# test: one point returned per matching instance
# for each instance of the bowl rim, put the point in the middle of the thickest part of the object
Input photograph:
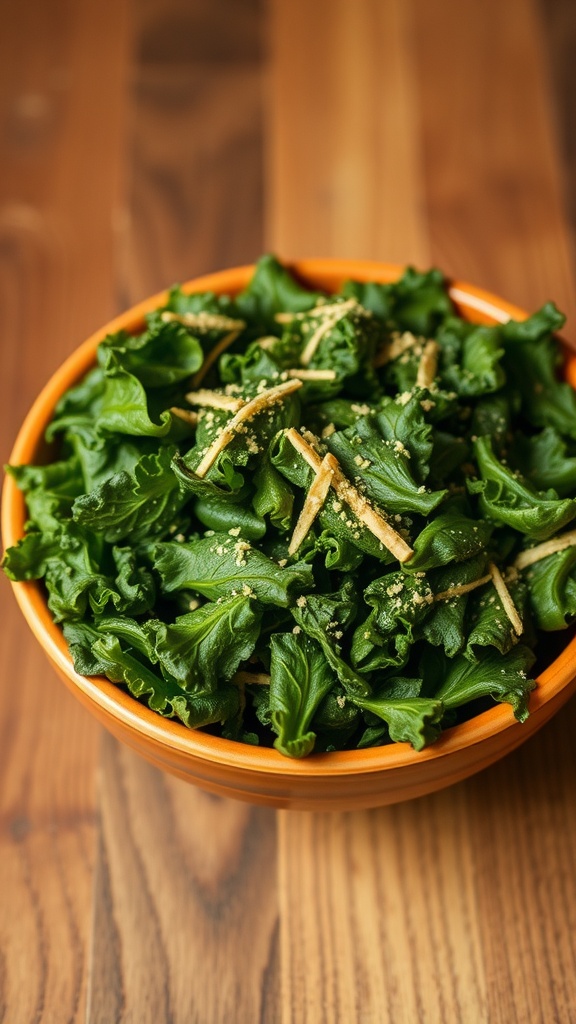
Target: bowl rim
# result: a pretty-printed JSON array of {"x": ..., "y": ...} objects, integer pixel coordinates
[{"x": 120, "y": 705}]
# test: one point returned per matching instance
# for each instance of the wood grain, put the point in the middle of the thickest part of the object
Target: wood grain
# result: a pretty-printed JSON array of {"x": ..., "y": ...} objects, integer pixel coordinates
[
  {"x": 185, "y": 908},
  {"x": 184, "y": 930},
  {"x": 343, "y": 140},
  {"x": 558, "y": 22},
  {"x": 195, "y": 176},
  {"x": 397, "y": 935},
  {"x": 56, "y": 285},
  {"x": 433, "y": 910},
  {"x": 523, "y": 831},
  {"x": 494, "y": 191},
  {"x": 142, "y": 142}
]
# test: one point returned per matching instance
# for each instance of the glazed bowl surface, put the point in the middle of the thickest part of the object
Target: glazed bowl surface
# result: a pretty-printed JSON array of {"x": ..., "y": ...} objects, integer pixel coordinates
[{"x": 343, "y": 780}]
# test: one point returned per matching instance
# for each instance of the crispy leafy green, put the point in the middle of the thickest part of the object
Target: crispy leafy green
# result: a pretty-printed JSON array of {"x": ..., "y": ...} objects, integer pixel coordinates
[
  {"x": 207, "y": 645},
  {"x": 417, "y": 302},
  {"x": 488, "y": 624},
  {"x": 185, "y": 582},
  {"x": 165, "y": 354},
  {"x": 546, "y": 460},
  {"x": 385, "y": 468},
  {"x": 410, "y": 719},
  {"x": 471, "y": 358},
  {"x": 272, "y": 496},
  {"x": 163, "y": 693},
  {"x": 461, "y": 680},
  {"x": 300, "y": 677},
  {"x": 451, "y": 536},
  {"x": 138, "y": 505},
  {"x": 445, "y": 624},
  {"x": 399, "y": 603},
  {"x": 222, "y": 565},
  {"x": 273, "y": 289},
  {"x": 552, "y": 590},
  {"x": 504, "y": 497}
]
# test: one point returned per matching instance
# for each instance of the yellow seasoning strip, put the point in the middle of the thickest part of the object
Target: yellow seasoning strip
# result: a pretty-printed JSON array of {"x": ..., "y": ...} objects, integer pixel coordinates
[
  {"x": 544, "y": 550},
  {"x": 214, "y": 400},
  {"x": 314, "y": 501},
  {"x": 428, "y": 365},
  {"x": 507, "y": 602},
  {"x": 254, "y": 406},
  {"x": 463, "y": 588},
  {"x": 362, "y": 509}
]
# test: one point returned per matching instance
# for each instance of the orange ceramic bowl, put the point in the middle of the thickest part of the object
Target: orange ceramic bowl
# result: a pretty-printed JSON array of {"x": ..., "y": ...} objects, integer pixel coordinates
[{"x": 344, "y": 780}]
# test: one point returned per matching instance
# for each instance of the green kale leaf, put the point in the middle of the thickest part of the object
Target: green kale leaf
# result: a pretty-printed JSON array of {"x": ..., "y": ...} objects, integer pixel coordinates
[
  {"x": 164, "y": 354},
  {"x": 503, "y": 677},
  {"x": 138, "y": 504},
  {"x": 164, "y": 695},
  {"x": 505, "y": 498},
  {"x": 221, "y": 565},
  {"x": 399, "y": 603},
  {"x": 207, "y": 645},
  {"x": 382, "y": 467},
  {"x": 300, "y": 677},
  {"x": 451, "y": 536},
  {"x": 552, "y": 593},
  {"x": 273, "y": 289},
  {"x": 545, "y": 461},
  {"x": 409, "y": 717}
]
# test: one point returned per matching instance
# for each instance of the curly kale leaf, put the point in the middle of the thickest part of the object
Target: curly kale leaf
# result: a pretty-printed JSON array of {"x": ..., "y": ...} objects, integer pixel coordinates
[
  {"x": 163, "y": 694},
  {"x": 470, "y": 360},
  {"x": 451, "y": 536},
  {"x": 138, "y": 504},
  {"x": 409, "y": 717},
  {"x": 206, "y": 646},
  {"x": 488, "y": 623},
  {"x": 273, "y": 289},
  {"x": 325, "y": 618},
  {"x": 50, "y": 491},
  {"x": 417, "y": 302},
  {"x": 459, "y": 681},
  {"x": 505, "y": 497},
  {"x": 399, "y": 604},
  {"x": 81, "y": 573},
  {"x": 381, "y": 466},
  {"x": 552, "y": 590},
  {"x": 300, "y": 678},
  {"x": 221, "y": 565},
  {"x": 164, "y": 354},
  {"x": 532, "y": 364},
  {"x": 445, "y": 625},
  {"x": 545, "y": 460}
]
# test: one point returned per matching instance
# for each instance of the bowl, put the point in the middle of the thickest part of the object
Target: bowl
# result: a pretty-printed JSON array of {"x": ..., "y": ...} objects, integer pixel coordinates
[{"x": 343, "y": 780}]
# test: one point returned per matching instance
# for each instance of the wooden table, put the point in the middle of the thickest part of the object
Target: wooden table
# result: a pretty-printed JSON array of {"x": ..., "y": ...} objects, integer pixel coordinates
[{"x": 141, "y": 143}]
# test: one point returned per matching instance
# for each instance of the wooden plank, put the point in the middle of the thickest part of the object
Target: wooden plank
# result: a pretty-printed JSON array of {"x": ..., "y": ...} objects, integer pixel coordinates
[
  {"x": 343, "y": 137},
  {"x": 494, "y": 195},
  {"x": 497, "y": 215},
  {"x": 195, "y": 182},
  {"x": 558, "y": 24},
  {"x": 184, "y": 929},
  {"x": 523, "y": 833},
  {"x": 379, "y": 915},
  {"x": 56, "y": 285},
  {"x": 48, "y": 749},
  {"x": 185, "y": 925},
  {"x": 417, "y": 912}
]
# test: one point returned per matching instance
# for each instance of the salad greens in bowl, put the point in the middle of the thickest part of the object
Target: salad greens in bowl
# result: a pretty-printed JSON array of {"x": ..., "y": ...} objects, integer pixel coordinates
[{"x": 302, "y": 534}]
